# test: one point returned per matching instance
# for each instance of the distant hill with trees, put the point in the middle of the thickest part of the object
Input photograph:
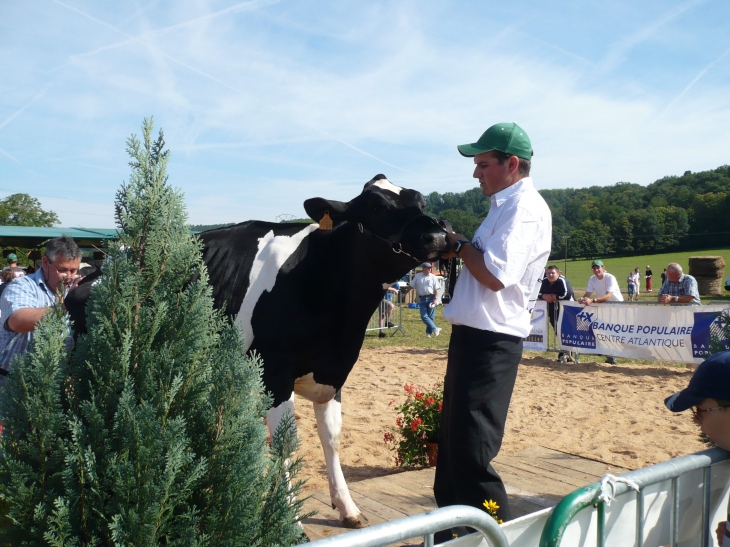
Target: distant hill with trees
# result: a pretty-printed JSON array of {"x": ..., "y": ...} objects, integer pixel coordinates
[{"x": 674, "y": 213}]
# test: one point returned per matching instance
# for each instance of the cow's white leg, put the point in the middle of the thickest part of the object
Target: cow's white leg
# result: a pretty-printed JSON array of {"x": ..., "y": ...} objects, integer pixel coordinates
[
  {"x": 329, "y": 427},
  {"x": 277, "y": 413},
  {"x": 273, "y": 418}
]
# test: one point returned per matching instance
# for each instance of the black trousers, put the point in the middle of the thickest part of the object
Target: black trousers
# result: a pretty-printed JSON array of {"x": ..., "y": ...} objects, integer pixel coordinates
[{"x": 480, "y": 377}]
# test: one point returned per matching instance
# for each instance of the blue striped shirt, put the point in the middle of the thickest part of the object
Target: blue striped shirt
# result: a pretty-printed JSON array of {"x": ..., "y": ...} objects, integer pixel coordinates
[
  {"x": 29, "y": 291},
  {"x": 686, "y": 285}
]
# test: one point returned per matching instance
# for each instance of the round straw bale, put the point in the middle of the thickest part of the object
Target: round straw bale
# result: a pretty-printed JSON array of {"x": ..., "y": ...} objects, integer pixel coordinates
[
  {"x": 707, "y": 266},
  {"x": 709, "y": 286}
]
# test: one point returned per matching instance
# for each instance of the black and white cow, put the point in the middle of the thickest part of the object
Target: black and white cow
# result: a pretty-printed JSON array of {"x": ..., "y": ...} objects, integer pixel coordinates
[{"x": 304, "y": 295}]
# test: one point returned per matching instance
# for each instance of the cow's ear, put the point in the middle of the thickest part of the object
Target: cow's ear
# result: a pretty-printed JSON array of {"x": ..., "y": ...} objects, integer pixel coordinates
[{"x": 316, "y": 207}]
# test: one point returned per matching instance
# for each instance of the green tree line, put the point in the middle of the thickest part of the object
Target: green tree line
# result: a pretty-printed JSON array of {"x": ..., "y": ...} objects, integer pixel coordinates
[{"x": 678, "y": 213}]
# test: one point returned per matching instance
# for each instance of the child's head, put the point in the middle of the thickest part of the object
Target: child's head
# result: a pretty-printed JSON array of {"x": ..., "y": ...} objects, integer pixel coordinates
[{"x": 709, "y": 393}]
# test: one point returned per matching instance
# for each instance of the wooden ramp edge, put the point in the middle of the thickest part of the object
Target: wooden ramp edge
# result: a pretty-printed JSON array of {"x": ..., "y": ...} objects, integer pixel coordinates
[{"x": 535, "y": 478}]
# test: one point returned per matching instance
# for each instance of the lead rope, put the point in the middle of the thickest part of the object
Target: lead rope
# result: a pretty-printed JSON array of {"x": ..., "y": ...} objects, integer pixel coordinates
[{"x": 450, "y": 264}]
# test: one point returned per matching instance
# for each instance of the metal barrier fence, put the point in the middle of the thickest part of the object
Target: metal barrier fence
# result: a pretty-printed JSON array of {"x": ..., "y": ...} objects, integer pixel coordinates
[
  {"x": 424, "y": 525},
  {"x": 388, "y": 316},
  {"x": 589, "y": 496},
  {"x": 678, "y": 504}
]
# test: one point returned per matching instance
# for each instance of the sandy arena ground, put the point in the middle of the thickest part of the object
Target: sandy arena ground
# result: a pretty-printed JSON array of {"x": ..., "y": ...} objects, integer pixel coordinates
[{"x": 611, "y": 413}]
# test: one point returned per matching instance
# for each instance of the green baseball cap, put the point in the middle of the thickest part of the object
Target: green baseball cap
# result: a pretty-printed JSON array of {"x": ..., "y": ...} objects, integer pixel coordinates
[
  {"x": 12, "y": 257},
  {"x": 597, "y": 263},
  {"x": 509, "y": 138}
]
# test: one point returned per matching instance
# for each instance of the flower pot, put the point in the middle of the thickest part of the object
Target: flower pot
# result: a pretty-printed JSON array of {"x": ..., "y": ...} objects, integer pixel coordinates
[{"x": 432, "y": 453}]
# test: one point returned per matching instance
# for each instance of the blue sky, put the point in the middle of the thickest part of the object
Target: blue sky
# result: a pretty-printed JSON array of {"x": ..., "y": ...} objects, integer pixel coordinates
[{"x": 265, "y": 104}]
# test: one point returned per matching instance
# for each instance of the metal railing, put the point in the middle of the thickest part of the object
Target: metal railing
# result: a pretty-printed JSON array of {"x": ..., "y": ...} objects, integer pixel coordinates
[
  {"x": 424, "y": 525},
  {"x": 388, "y": 312},
  {"x": 588, "y": 496}
]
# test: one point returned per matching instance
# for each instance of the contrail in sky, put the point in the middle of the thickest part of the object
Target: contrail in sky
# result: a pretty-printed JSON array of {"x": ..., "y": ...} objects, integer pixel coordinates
[
  {"x": 251, "y": 5},
  {"x": 693, "y": 82}
]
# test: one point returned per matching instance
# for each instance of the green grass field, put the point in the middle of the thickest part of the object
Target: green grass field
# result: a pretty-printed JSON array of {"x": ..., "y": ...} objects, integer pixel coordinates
[{"x": 578, "y": 271}]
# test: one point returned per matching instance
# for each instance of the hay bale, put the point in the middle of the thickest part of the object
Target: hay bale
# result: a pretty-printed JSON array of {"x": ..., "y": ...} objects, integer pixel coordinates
[
  {"x": 709, "y": 286},
  {"x": 706, "y": 266}
]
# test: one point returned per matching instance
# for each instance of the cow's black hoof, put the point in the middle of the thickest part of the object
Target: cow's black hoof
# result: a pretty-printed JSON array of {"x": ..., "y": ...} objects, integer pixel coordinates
[{"x": 353, "y": 522}]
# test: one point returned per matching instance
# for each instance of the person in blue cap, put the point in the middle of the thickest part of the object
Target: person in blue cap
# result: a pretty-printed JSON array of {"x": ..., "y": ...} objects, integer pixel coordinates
[{"x": 708, "y": 395}]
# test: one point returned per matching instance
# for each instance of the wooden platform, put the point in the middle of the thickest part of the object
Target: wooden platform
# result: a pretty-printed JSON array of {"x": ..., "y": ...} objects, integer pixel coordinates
[{"x": 535, "y": 478}]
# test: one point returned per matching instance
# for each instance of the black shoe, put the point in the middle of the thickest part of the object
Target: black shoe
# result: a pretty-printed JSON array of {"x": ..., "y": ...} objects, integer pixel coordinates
[
  {"x": 381, "y": 334},
  {"x": 610, "y": 360},
  {"x": 390, "y": 325}
]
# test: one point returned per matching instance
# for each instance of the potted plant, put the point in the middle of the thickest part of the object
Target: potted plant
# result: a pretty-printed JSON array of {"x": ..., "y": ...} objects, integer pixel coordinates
[{"x": 415, "y": 438}]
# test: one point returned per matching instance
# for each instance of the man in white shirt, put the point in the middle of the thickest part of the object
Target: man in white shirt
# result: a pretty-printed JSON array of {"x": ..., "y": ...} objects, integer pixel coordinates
[
  {"x": 603, "y": 284},
  {"x": 606, "y": 288},
  {"x": 427, "y": 290},
  {"x": 490, "y": 318}
]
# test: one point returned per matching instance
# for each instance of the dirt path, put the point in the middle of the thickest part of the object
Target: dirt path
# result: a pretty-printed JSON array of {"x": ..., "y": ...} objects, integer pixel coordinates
[{"x": 611, "y": 413}]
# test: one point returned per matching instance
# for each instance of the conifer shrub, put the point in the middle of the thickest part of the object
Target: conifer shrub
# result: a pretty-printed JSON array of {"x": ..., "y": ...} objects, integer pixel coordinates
[{"x": 151, "y": 430}]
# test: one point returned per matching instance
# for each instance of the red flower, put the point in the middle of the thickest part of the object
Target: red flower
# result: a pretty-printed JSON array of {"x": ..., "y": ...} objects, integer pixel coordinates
[
  {"x": 418, "y": 395},
  {"x": 399, "y": 421},
  {"x": 398, "y": 461},
  {"x": 441, "y": 406},
  {"x": 388, "y": 437},
  {"x": 408, "y": 388},
  {"x": 429, "y": 401},
  {"x": 392, "y": 402},
  {"x": 415, "y": 423}
]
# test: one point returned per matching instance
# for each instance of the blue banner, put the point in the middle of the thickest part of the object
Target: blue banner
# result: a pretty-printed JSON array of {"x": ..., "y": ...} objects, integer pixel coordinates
[{"x": 681, "y": 333}]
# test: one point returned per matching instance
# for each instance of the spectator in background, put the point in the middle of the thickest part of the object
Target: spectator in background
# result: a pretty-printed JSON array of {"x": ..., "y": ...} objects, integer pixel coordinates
[
  {"x": 679, "y": 287},
  {"x": 386, "y": 308},
  {"x": 637, "y": 279},
  {"x": 606, "y": 288},
  {"x": 427, "y": 289},
  {"x": 25, "y": 301},
  {"x": 647, "y": 276},
  {"x": 631, "y": 285},
  {"x": 12, "y": 261},
  {"x": 603, "y": 284},
  {"x": 553, "y": 289},
  {"x": 664, "y": 276},
  {"x": 6, "y": 276}
]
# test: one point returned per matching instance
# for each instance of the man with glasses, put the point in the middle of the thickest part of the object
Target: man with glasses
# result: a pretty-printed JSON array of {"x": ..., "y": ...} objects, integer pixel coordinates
[
  {"x": 24, "y": 303},
  {"x": 708, "y": 395}
]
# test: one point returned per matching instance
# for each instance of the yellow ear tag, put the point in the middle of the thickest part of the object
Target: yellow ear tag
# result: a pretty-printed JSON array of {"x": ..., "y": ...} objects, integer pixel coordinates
[{"x": 326, "y": 222}]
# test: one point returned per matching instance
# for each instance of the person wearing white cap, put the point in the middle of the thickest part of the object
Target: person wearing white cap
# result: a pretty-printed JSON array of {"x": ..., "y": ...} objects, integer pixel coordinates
[{"x": 427, "y": 289}]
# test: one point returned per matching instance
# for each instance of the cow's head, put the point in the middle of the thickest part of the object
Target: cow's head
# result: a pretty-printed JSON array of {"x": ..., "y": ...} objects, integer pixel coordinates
[{"x": 389, "y": 213}]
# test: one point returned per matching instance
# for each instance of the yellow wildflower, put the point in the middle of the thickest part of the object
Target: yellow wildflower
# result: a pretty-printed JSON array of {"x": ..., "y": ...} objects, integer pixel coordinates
[{"x": 491, "y": 506}]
